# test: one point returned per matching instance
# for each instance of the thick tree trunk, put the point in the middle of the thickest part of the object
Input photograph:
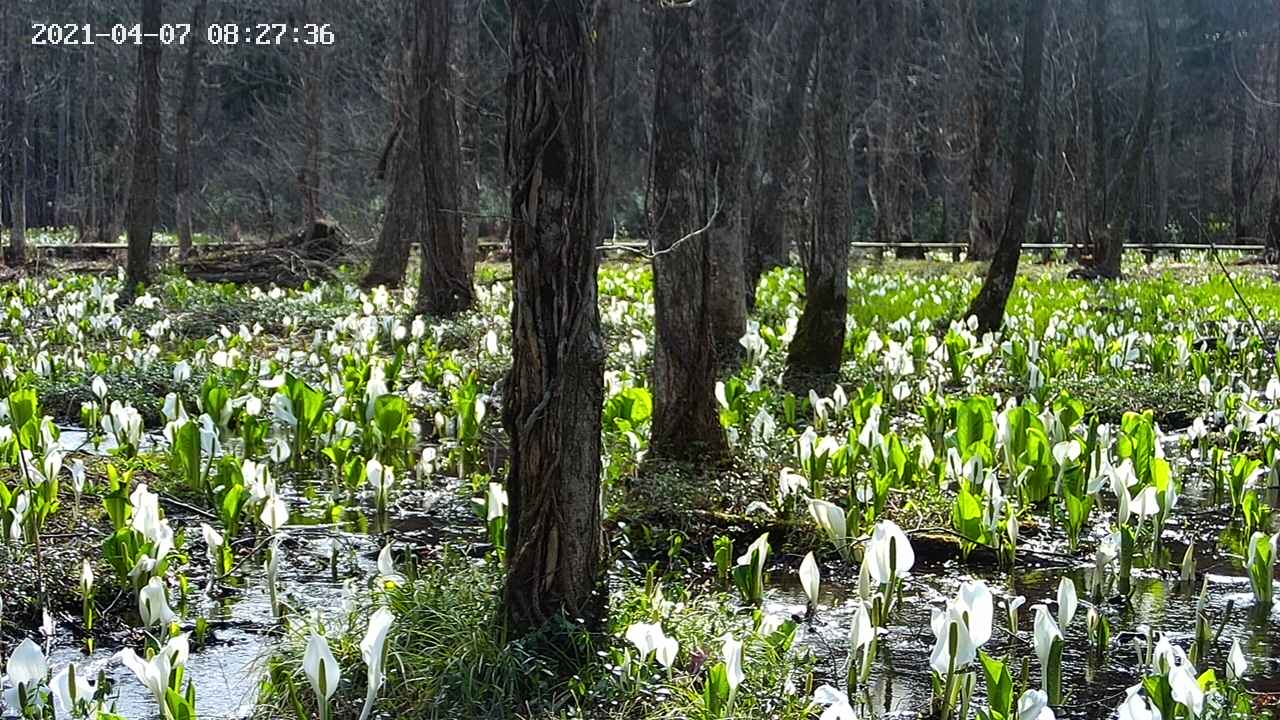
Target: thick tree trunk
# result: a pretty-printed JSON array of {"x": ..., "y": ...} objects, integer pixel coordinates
[
  {"x": 767, "y": 245},
  {"x": 729, "y": 51},
  {"x": 685, "y": 422},
  {"x": 555, "y": 390},
  {"x": 1126, "y": 216},
  {"x": 144, "y": 186},
  {"x": 989, "y": 304},
  {"x": 818, "y": 345},
  {"x": 182, "y": 139},
  {"x": 445, "y": 287}
]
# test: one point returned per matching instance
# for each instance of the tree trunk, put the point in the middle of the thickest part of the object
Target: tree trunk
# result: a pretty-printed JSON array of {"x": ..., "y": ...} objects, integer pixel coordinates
[
  {"x": 989, "y": 304},
  {"x": 1164, "y": 135},
  {"x": 984, "y": 128},
  {"x": 767, "y": 245},
  {"x": 1239, "y": 184},
  {"x": 470, "y": 130},
  {"x": 182, "y": 154},
  {"x": 140, "y": 214},
  {"x": 729, "y": 52},
  {"x": 1126, "y": 216},
  {"x": 445, "y": 287},
  {"x": 685, "y": 422},
  {"x": 1272, "y": 253},
  {"x": 1099, "y": 177},
  {"x": 402, "y": 220},
  {"x": 312, "y": 130},
  {"x": 818, "y": 345},
  {"x": 555, "y": 390},
  {"x": 18, "y": 103},
  {"x": 604, "y": 24}
]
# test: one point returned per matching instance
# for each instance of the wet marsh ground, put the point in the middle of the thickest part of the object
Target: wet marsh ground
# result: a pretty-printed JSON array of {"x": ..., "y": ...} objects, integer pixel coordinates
[{"x": 1090, "y": 353}]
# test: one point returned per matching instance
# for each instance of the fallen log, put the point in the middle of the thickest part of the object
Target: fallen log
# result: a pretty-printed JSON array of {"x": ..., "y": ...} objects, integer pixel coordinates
[{"x": 308, "y": 254}]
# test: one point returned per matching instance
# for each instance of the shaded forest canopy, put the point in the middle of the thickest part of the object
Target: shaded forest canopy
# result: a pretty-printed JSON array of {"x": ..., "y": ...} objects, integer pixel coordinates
[{"x": 934, "y": 86}]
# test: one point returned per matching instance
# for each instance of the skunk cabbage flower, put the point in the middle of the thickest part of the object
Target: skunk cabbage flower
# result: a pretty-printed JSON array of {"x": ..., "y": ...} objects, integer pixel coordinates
[
  {"x": 26, "y": 669},
  {"x": 86, "y": 578},
  {"x": 387, "y": 568},
  {"x": 889, "y": 553},
  {"x": 732, "y": 650},
  {"x": 830, "y": 517},
  {"x": 810, "y": 578},
  {"x": 1186, "y": 689},
  {"x": 321, "y": 669},
  {"x": 154, "y": 673},
  {"x": 275, "y": 513},
  {"x": 1237, "y": 663},
  {"x": 948, "y": 656},
  {"x": 1067, "y": 602},
  {"x": 861, "y": 631},
  {"x": 68, "y": 689},
  {"x": 1045, "y": 635},
  {"x": 1034, "y": 705},
  {"x": 1136, "y": 707},
  {"x": 371, "y": 649},
  {"x": 836, "y": 702},
  {"x": 153, "y": 606},
  {"x": 213, "y": 542}
]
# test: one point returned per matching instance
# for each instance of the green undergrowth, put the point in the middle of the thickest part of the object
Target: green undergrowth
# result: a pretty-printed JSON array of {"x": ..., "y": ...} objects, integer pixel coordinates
[{"x": 448, "y": 657}]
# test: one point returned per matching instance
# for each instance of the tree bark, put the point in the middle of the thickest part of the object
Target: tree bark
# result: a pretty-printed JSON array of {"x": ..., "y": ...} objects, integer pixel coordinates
[
  {"x": 767, "y": 245},
  {"x": 729, "y": 52},
  {"x": 1126, "y": 216},
  {"x": 604, "y": 24},
  {"x": 312, "y": 132},
  {"x": 1164, "y": 134},
  {"x": 402, "y": 217},
  {"x": 989, "y": 304},
  {"x": 144, "y": 187},
  {"x": 18, "y": 152},
  {"x": 985, "y": 130},
  {"x": 182, "y": 139},
  {"x": 685, "y": 422},
  {"x": 1272, "y": 253},
  {"x": 818, "y": 345},
  {"x": 402, "y": 220},
  {"x": 1098, "y": 231},
  {"x": 555, "y": 390},
  {"x": 1239, "y": 183},
  {"x": 445, "y": 286}
]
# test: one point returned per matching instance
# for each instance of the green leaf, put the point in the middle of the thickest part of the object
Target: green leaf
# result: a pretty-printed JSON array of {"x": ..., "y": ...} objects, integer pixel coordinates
[{"x": 999, "y": 687}]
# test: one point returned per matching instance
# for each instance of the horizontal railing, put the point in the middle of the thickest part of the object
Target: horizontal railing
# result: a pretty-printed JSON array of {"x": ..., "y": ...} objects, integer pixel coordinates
[{"x": 640, "y": 245}]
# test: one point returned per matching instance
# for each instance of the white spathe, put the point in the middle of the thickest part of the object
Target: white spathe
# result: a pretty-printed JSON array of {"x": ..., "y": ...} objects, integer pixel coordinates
[
  {"x": 320, "y": 667},
  {"x": 810, "y": 578},
  {"x": 372, "y": 650}
]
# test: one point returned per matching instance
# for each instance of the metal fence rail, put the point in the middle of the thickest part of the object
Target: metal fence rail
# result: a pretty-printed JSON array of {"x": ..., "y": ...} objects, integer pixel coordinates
[{"x": 69, "y": 249}]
